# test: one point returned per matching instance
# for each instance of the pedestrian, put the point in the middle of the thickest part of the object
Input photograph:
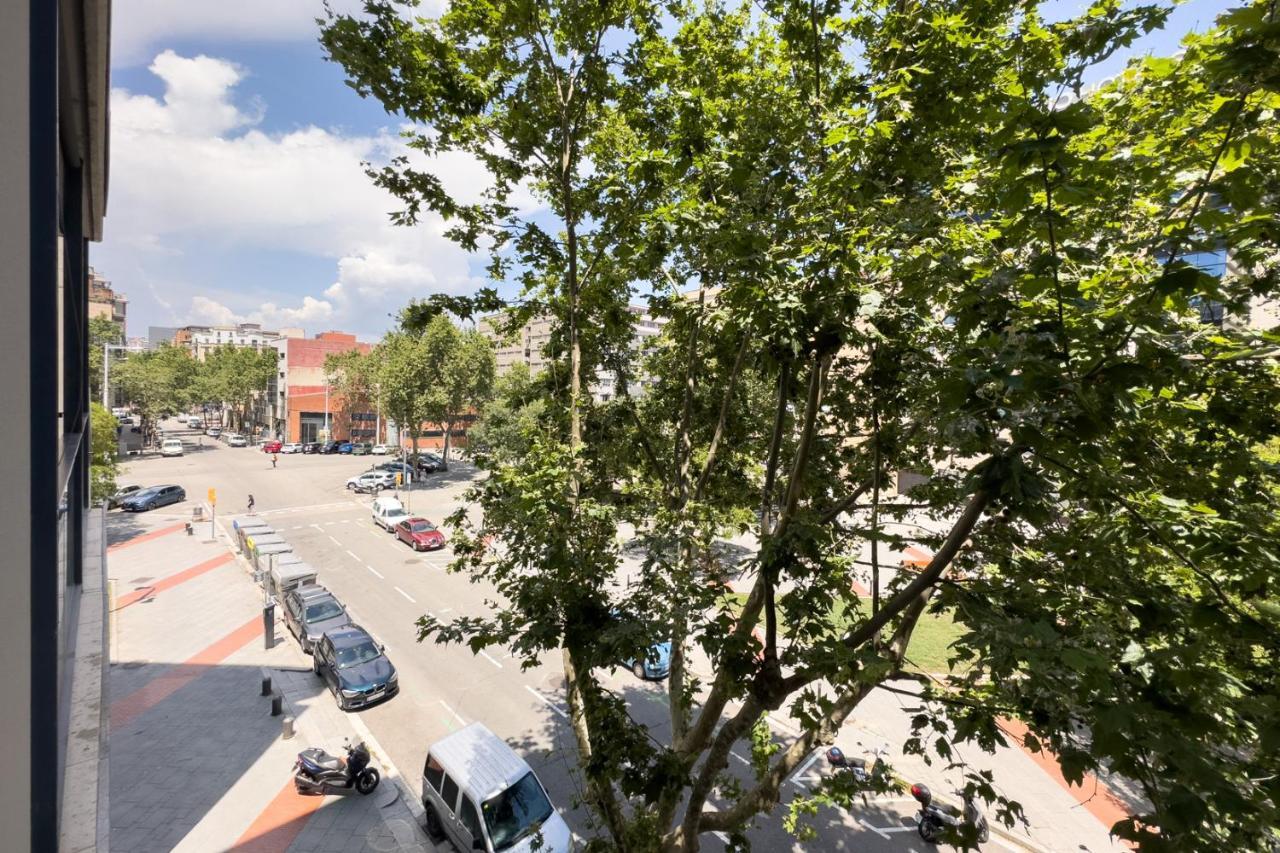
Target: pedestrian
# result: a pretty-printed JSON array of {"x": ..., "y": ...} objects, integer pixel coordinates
[
  {"x": 273, "y": 460},
  {"x": 251, "y": 504}
]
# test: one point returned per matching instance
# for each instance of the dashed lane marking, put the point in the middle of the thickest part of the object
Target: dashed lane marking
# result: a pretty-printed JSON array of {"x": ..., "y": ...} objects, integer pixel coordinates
[
  {"x": 877, "y": 830},
  {"x": 405, "y": 594},
  {"x": 352, "y": 553},
  {"x": 375, "y": 571},
  {"x": 456, "y": 715},
  {"x": 552, "y": 705},
  {"x": 485, "y": 655}
]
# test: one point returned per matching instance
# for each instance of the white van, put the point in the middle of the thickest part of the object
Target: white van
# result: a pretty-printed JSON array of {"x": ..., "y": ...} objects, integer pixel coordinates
[
  {"x": 482, "y": 796},
  {"x": 388, "y": 512}
]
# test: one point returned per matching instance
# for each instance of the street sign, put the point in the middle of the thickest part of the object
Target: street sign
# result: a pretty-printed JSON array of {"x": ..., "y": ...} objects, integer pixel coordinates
[
  {"x": 213, "y": 497},
  {"x": 399, "y": 479}
]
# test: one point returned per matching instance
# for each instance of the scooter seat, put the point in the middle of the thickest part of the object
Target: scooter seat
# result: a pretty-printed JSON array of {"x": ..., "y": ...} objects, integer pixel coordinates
[
  {"x": 321, "y": 759},
  {"x": 330, "y": 762}
]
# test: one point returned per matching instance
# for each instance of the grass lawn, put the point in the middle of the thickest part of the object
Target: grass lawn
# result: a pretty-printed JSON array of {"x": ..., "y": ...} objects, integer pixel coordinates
[{"x": 930, "y": 642}]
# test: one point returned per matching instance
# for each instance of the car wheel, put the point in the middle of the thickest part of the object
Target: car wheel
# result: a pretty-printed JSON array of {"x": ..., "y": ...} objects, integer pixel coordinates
[
  {"x": 435, "y": 831},
  {"x": 638, "y": 669}
]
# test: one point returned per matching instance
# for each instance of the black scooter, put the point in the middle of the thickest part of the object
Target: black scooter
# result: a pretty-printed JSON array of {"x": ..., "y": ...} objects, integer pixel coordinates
[
  {"x": 318, "y": 772},
  {"x": 933, "y": 821}
]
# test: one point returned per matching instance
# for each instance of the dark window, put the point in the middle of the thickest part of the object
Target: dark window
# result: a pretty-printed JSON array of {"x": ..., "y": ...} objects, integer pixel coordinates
[
  {"x": 449, "y": 793},
  {"x": 470, "y": 820},
  {"x": 433, "y": 773}
]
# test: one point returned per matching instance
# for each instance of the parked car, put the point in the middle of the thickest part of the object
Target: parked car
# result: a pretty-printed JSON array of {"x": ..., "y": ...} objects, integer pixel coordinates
[
  {"x": 121, "y": 493},
  {"x": 194, "y": 423},
  {"x": 152, "y": 497},
  {"x": 428, "y": 463},
  {"x": 388, "y": 512},
  {"x": 419, "y": 534},
  {"x": 272, "y": 445},
  {"x": 405, "y": 472},
  {"x": 235, "y": 439},
  {"x": 656, "y": 664},
  {"x": 309, "y": 611},
  {"x": 345, "y": 447},
  {"x": 311, "y": 447},
  {"x": 354, "y": 667},
  {"x": 362, "y": 448},
  {"x": 291, "y": 447},
  {"x": 379, "y": 450},
  {"x": 213, "y": 432},
  {"x": 483, "y": 796},
  {"x": 330, "y": 446},
  {"x": 171, "y": 447},
  {"x": 371, "y": 481}
]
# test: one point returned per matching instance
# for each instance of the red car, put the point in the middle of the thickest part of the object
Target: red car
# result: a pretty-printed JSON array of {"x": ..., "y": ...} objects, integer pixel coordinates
[
  {"x": 419, "y": 534},
  {"x": 272, "y": 446}
]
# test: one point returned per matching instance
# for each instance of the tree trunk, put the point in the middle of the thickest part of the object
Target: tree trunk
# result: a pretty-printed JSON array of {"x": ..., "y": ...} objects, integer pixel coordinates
[{"x": 448, "y": 431}]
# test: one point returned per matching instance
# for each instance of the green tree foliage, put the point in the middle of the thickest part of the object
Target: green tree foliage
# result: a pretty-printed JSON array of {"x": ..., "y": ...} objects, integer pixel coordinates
[
  {"x": 402, "y": 381},
  {"x": 104, "y": 446},
  {"x": 236, "y": 378},
  {"x": 914, "y": 240},
  {"x": 101, "y": 332},
  {"x": 353, "y": 375},
  {"x": 159, "y": 382},
  {"x": 510, "y": 422},
  {"x": 461, "y": 367}
]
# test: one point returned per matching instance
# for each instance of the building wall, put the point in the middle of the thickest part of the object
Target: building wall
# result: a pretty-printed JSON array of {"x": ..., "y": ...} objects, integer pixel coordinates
[
  {"x": 300, "y": 383},
  {"x": 15, "y": 387}
]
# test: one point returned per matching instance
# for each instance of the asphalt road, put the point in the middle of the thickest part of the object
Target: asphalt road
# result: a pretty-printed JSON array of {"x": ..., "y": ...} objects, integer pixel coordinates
[{"x": 387, "y": 587}]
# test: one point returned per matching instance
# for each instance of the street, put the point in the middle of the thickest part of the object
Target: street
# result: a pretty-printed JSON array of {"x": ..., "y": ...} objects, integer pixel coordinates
[{"x": 387, "y": 587}]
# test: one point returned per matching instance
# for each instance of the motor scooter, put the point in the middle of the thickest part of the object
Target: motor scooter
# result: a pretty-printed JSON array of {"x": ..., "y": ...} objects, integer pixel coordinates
[
  {"x": 933, "y": 821},
  {"x": 857, "y": 767},
  {"x": 318, "y": 772}
]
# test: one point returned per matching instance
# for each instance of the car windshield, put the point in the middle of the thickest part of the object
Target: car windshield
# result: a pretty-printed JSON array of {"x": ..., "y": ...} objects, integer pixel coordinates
[
  {"x": 423, "y": 527},
  {"x": 516, "y": 812},
  {"x": 357, "y": 654},
  {"x": 323, "y": 610}
]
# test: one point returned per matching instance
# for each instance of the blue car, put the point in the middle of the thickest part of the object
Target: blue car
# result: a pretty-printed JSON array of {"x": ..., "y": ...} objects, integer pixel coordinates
[
  {"x": 656, "y": 664},
  {"x": 345, "y": 447},
  {"x": 354, "y": 667},
  {"x": 148, "y": 499}
]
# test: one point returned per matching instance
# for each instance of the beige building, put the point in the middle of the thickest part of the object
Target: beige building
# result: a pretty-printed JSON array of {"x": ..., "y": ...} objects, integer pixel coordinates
[
  {"x": 201, "y": 340},
  {"x": 527, "y": 346},
  {"x": 105, "y": 302}
]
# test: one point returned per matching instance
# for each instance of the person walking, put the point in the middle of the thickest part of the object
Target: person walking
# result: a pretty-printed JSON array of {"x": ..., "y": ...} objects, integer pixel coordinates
[
  {"x": 251, "y": 504},
  {"x": 273, "y": 460}
]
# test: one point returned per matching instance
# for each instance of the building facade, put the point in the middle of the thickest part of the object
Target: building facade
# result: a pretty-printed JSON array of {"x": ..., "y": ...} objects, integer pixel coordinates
[
  {"x": 305, "y": 406},
  {"x": 54, "y": 90},
  {"x": 202, "y": 340},
  {"x": 528, "y": 345},
  {"x": 104, "y": 301}
]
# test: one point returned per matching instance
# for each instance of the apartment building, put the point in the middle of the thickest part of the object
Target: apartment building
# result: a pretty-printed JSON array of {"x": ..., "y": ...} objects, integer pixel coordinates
[
  {"x": 528, "y": 344},
  {"x": 202, "y": 340},
  {"x": 104, "y": 301},
  {"x": 305, "y": 406}
]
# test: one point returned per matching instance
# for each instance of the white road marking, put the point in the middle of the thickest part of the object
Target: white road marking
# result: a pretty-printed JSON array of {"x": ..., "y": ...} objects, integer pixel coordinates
[
  {"x": 316, "y": 526},
  {"x": 552, "y": 705},
  {"x": 877, "y": 830},
  {"x": 375, "y": 571},
  {"x": 330, "y": 522},
  {"x": 335, "y": 541},
  {"x": 446, "y": 610},
  {"x": 797, "y": 778},
  {"x": 352, "y": 553},
  {"x": 405, "y": 594},
  {"x": 778, "y": 724},
  {"x": 456, "y": 715},
  {"x": 733, "y": 754},
  {"x": 485, "y": 655}
]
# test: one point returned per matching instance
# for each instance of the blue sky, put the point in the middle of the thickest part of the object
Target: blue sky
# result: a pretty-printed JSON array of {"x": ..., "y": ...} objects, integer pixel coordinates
[{"x": 236, "y": 187}]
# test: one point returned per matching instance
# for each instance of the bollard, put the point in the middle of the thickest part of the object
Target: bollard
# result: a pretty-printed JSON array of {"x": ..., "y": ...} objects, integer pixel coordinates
[
  {"x": 266, "y": 685},
  {"x": 277, "y": 705},
  {"x": 287, "y": 727},
  {"x": 268, "y": 625}
]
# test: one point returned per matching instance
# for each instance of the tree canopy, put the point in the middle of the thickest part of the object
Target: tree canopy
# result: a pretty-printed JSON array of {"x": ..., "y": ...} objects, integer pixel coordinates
[{"x": 885, "y": 237}]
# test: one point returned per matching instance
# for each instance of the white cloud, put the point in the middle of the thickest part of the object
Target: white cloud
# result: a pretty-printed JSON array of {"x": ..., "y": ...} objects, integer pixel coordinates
[{"x": 194, "y": 168}]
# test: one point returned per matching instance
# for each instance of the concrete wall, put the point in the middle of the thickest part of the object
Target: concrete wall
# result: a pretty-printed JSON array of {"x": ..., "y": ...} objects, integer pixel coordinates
[{"x": 15, "y": 462}]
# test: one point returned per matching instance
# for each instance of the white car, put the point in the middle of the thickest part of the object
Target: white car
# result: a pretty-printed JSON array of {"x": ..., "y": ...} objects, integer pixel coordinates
[
  {"x": 388, "y": 512},
  {"x": 371, "y": 481},
  {"x": 193, "y": 422},
  {"x": 237, "y": 440},
  {"x": 379, "y": 450},
  {"x": 213, "y": 432},
  {"x": 291, "y": 447},
  {"x": 171, "y": 447}
]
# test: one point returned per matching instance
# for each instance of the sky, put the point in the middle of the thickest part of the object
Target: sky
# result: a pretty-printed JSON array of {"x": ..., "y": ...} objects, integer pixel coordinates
[{"x": 237, "y": 191}]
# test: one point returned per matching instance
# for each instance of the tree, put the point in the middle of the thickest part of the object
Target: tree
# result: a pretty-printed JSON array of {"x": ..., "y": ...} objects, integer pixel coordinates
[
  {"x": 101, "y": 332},
  {"x": 104, "y": 447},
  {"x": 403, "y": 381},
  {"x": 461, "y": 366},
  {"x": 159, "y": 382},
  {"x": 354, "y": 377},
  {"x": 932, "y": 247},
  {"x": 511, "y": 420},
  {"x": 236, "y": 378}
]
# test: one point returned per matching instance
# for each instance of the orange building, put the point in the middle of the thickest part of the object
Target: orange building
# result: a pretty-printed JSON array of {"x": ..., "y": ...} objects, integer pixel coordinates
[{"x": 304, "y": 400}]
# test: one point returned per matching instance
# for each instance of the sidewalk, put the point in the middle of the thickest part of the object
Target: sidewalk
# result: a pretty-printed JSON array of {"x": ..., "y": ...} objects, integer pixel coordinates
[{"x": 198, "y": 764}]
